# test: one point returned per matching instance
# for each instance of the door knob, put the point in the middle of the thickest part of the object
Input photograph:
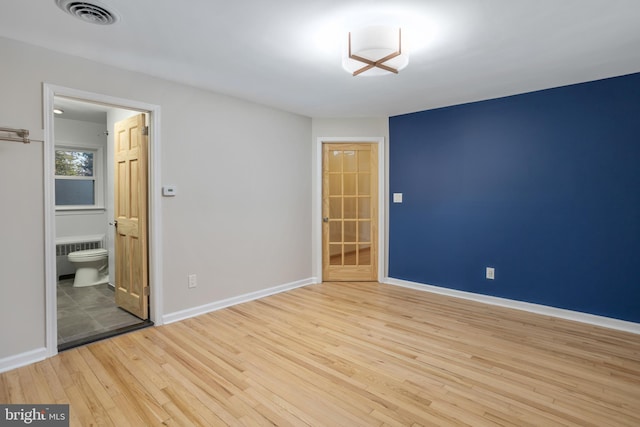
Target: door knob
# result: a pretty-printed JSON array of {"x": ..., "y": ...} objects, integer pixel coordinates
[
  {"x": 325, "y": 219},
  {"x": 114, "y": 223}
]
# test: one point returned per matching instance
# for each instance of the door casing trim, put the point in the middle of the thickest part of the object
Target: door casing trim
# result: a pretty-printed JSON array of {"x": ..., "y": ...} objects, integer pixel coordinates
[
  {"x": 317, "y": 197},
  {"x": 50, "y": 91}
]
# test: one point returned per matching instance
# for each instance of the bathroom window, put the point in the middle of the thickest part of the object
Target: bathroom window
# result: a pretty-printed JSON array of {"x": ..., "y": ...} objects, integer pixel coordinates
[{"x": 78, "y": 182}]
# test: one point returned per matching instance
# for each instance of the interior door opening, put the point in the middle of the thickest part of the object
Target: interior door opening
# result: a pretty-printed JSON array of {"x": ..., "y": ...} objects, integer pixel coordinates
[{"x": 86, "y": 137}]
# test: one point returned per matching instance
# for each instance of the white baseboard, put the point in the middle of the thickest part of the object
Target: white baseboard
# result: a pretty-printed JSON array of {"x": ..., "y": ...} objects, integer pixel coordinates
[
  {"x": 22, "y": 359},
  {"x": 207, "y": 308},
  {"x": 561, "y": 313}
]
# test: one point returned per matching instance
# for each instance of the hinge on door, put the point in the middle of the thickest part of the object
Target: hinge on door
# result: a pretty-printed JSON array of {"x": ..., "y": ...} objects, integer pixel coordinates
[
  {"x": 145, "y": 291},
  {"x": 145, "y": 130}
]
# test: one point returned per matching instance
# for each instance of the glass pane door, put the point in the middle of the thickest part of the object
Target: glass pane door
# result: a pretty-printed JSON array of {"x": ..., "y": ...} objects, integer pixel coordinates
[{"x": 350, "y": 176}]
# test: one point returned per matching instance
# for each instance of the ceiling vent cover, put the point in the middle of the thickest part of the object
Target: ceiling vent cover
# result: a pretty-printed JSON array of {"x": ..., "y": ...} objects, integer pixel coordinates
[{"x": 91, "y": 12}]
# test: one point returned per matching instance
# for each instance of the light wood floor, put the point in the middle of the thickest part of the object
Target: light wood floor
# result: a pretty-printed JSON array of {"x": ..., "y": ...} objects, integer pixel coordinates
[{"x": 347, "y": 354}]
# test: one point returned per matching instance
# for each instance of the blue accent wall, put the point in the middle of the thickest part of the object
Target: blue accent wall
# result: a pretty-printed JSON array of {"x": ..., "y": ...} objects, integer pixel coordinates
[{"x": 543, "y": 186}]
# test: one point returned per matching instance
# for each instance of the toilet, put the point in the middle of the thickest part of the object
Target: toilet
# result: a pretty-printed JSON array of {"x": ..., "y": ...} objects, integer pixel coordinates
[{"x": 91, "y": 267}]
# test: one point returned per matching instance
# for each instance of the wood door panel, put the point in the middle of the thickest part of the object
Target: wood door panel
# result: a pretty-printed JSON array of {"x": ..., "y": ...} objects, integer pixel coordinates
[
  {"x": 134, "y": 191},
  {"x": 121, "y": 189},
  {"x": 128, "y": 228},
  {"x": 131, "y": 215},
  {"x": 122, "y": 260},
  {"x": 350, "y": 212}
]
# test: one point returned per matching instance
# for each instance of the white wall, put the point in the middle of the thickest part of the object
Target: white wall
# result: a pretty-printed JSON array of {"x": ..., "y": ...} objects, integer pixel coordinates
[
  {"x": 345, "y": 127},
  {"x": 83, "y": 222},
  {"x": 242, "y": 215},
  {"x": 22, "y": 236},
  {"x": 351, "y": 127}
]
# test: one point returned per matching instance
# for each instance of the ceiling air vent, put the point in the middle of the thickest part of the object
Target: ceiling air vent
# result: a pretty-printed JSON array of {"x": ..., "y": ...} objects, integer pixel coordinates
[{"x": 91, "y": 12}]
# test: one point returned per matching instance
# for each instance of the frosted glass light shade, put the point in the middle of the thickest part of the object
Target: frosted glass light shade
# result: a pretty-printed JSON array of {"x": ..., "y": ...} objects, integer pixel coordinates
[{"x": 374, "y": 51}]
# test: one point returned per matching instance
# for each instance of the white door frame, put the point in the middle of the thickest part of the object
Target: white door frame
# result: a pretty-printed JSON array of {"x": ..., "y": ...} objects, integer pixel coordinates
[
  {"x": 50, "y": 91},
  {"x": 317, "y": 197}
]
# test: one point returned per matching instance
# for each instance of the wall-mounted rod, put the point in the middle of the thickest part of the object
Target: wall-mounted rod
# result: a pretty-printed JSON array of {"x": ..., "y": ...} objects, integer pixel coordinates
[{"x": 22, "y": 135}]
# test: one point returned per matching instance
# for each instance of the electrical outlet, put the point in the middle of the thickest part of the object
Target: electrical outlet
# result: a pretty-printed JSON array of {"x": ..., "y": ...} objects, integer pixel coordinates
[
  {"x": 491, "y": 273},
  {"x": 193, "y": 281}
]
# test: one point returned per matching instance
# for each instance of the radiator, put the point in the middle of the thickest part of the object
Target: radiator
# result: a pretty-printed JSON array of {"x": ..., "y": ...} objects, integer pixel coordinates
[
  {"x": 64, "y": 249},
  {"x": 66, "y": 245}
]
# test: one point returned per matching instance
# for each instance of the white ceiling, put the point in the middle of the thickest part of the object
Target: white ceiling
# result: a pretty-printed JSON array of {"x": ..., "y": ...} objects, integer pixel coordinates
[
  {"x": 287, "y": 53},
  {"x": 78, "y": 110}
]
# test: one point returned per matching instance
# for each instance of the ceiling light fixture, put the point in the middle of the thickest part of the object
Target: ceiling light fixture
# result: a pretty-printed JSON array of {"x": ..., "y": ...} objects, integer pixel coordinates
[
  {"x": 374, "y": 51},
  {"x": 58, "y": 111}
]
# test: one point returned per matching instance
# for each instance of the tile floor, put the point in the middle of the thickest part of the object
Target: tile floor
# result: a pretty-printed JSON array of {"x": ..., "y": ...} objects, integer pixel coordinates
[{"x": 89, "y": 311}]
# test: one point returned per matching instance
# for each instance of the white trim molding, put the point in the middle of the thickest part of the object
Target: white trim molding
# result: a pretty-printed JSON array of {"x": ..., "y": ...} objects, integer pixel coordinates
[
  {"x": 23, "y": 359},
  {"x": 50, "y": 91},
  {"x": 561, "y": 313},
  {"x": 317, "y": 197},
  {"x": 218, "y": 305}
]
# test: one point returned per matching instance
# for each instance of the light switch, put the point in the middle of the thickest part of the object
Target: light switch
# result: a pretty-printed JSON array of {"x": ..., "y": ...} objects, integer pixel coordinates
[
  {"x": 169, "y": 190},
  {"x": 397, "y": 197},
  {"x": 490, "y": 273}
]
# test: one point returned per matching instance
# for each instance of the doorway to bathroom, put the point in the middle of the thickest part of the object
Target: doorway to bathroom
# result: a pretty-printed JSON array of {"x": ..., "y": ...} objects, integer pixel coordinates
[{"x": 101, "y": 246}]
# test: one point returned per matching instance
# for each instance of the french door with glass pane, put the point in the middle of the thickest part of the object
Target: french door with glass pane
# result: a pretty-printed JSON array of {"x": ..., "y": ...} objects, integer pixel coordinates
[{"x": 350, "y": 212}]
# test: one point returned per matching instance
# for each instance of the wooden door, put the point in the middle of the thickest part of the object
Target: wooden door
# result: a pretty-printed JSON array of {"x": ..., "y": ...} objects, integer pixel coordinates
[
  {"x": 350, "y": 212},
  {"x": 130, "y": 183}
]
